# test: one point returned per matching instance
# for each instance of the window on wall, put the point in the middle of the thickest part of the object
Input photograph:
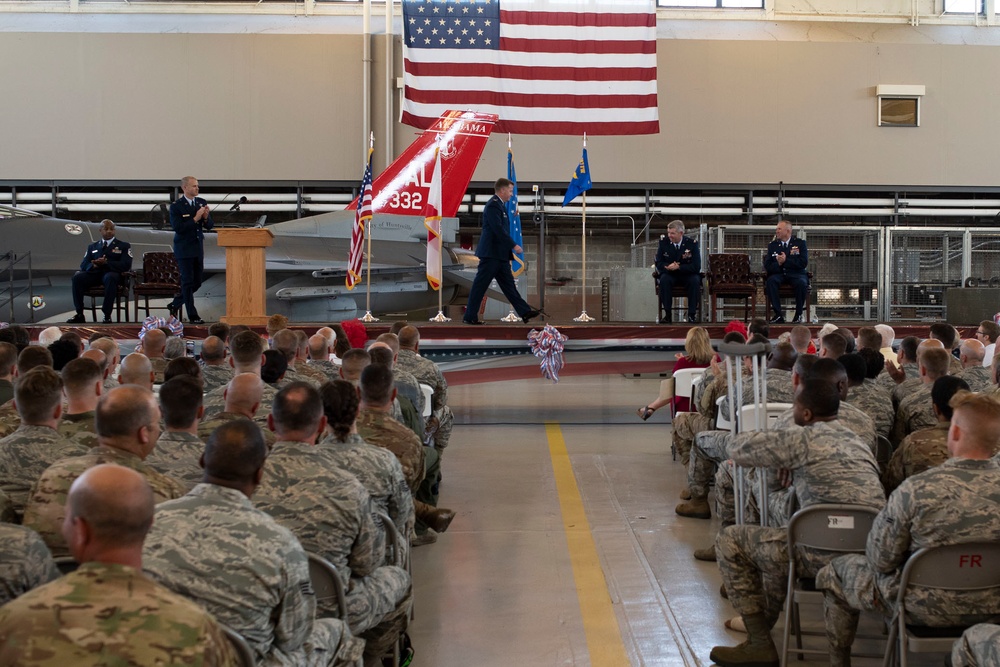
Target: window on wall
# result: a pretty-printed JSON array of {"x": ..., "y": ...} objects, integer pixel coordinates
[
  {"x": 721, "y": 4},
  {"x": 963, "y": 6}
]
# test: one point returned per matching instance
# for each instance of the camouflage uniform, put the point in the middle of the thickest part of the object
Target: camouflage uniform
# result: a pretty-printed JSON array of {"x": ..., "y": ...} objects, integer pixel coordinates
[
  {"x": 427, "y": 372},
  {"x": 919, "y": 451},
  {"x": 952, "y": 503},
  {"x": 332, "y": 515},
  {"x": 978, "y": 378},
  {"x": 24, "y": 456},
  {"x": 687, "y": 425},
  {"x": 215, "y": 403},
  {"x": 9, "y": 419},
  {"x": 829, "y": 464},
  {"x": 7, "y": 514},
  {"x": 206, "y": 427},
  {"x": 6, "y": 391},
  {"x": 916, "y": 411},
  {"x": 978, "y": 647},
  {"x": 955, "y": 364},
  {"x": 178, "y": 454},
  {"x": 214, "y": 547},
  {"x": 381, "y": 430},
  {"x": 25, "y": 562},
  {"x": 46, "y": 503},
  {"x": 381, "y": 474},
  {"x": 408, "y": 387},
  {"x": 313, "y": 376},
  {"x": 80, "y": 427},
  {"x": 886, "y": 381},
  {"x": 326, "y": 367},
  {"x": 105, "y": 614},
  {"x": 779, "y": 389},
  {"x": 214, "y": 377},
  {"x": 159, "y": 365},
  {"x": 876, "y": 402}
]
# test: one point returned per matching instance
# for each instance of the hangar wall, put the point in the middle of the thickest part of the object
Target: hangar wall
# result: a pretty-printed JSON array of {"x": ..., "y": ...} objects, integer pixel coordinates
[{"x": 749, "y": 103}]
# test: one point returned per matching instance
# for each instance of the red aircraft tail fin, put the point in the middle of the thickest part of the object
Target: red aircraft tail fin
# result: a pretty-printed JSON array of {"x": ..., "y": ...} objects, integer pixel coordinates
[{"x": 402, "y": 187}]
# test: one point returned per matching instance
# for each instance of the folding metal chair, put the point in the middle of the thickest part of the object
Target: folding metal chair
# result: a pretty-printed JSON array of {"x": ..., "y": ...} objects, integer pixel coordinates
[
  {"x": 836, "y": 528},
  {"x": 883, "y": 452},
  {"x": 973, "y": 566},
  {"x": 400, "y": 558},
  {"x": 244, "y": 654},
  {"x": 428, "y": 392},
  {"x": 326, "y": 583}
]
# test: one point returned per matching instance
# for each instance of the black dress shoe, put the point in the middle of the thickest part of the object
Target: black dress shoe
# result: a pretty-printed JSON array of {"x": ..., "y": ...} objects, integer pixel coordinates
[
  {"x": 691, "y": 319},
  {"x": 77, "y": 319},
  {"x": 174, "y": 310},
  {"x": 777, "y": 319},
  {"x": 196, "y": 320},
  {"x": 530, "y": 315},
  {"x": 797, "y": 319},
  {"x": 107, "y": 319},
  {"x": 473, "y": 322}
]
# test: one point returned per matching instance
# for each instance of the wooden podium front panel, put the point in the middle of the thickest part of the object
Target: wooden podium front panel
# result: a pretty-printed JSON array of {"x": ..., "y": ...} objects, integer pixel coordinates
[{"x": 246, "y": 280}]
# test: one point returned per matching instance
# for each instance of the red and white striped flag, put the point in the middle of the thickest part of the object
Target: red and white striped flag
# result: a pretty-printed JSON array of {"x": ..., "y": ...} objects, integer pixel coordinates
[
  {"x": 544, "y": 66},
  {"x": 432, "y": 221},
  {"x": 362, "y": 216}
]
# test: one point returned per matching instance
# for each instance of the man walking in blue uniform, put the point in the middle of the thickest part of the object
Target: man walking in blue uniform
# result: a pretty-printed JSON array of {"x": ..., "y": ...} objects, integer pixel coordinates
[
  {"x": 105, "y": 262},
  {"x": 495, "y": 251},
  {"x": 785, "y": 262},
  {"x": 678, "y": 263},
  {"x": 189, "y": 217}
]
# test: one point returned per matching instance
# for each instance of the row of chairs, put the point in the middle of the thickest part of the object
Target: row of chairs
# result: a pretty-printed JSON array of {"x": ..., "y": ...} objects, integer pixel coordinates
[
  {"x": 729, "y": 277},
  {"x": 843, "y": 529},
  {"x": 159, "y": 278}
]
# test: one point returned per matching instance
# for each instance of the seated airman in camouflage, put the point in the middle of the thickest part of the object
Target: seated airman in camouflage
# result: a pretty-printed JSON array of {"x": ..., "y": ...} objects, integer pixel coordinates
[
  {"x": 83, "y": 385},
  {"x": 833, "y": 346},
  {"x": 112, "y": 353},
  {"x": 136, "y": 369},
  {"x": 25, "y": 562},
  {"x": 287, "y": 343},
  {"x": 36, "y": 444},
  {"x": 215, "y": 369},
  {"x": 246, "y": 350},
  {"x": 301, "y": 362},
  {"x": 128, "y": 425},
  {"x": 7, "y": 514},
  {"x": 352, "y": 363},
  {"x": 928, "y": 447},
  {"x": 406, "y": 382},
  {"x": 379, "y": 429},
  {"x": 107, "y": 611},
  {"x": 952, "y": 503},
  {"x": 214, "y": 547},
  {"x": 332, "y": 515},
  {"x": 867, "y": 396},
  {"x": 153, "y": 345},
  {"x": 828, "y": 464},
  {"x": 979, "y": 377},
  {"x": 242, "y": 401},
  {"x": 30, "y": 357},
  {"x": 915, "y": 409},
  {"x": 178, "y": 450},
  {"x": 403, "y": 409},
  {"x": 949, "y": 338},
  {"x": 320, "y": 350},
  {"x": 376, "y": 468},
  {"x": 979, "y": 646},
  {"x": 440, "y": 422},
  {"x": 905, "y": 366}
]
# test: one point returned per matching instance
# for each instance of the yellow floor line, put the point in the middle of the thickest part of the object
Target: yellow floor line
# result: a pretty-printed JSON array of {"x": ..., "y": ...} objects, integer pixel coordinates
[{"x": 600, "y": 625}]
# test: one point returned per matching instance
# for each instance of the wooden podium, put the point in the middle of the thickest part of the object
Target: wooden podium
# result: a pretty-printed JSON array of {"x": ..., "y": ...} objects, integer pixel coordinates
[{"x": 246, "y": 284}]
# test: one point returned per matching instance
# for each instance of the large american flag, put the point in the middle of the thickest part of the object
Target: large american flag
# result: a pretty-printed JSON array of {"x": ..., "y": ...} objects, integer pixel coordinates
[{"x": 544, "y": 66}]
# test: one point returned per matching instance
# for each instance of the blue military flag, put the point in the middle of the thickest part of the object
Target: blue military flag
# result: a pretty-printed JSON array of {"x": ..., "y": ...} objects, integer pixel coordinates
[
  {"x": 514, "y": 214},
  {"x": 581, "y": 180}
]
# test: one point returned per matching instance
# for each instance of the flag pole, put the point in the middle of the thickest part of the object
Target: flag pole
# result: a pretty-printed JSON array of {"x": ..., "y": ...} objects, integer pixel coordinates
[
  {"x": 440, "y": 317},
  {"x": 584, "y": 317},
  {"x": 512, "y": 316},
  {"x": 368, "y": 233}
]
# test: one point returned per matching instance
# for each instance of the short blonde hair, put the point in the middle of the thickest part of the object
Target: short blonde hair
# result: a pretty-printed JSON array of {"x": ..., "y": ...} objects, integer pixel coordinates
[{"x": 983, "y": 422}]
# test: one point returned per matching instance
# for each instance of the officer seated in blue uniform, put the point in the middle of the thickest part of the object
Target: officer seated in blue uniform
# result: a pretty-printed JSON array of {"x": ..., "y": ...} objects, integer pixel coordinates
[
  {"x": 105, "y": 262},
  {"x": 785, "y": 262},
  {"x": 678, "y": 263}
]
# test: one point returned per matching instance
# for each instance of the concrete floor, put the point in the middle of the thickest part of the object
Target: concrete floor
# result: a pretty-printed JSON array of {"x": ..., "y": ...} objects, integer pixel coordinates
[{"x": 501, "y": 588}]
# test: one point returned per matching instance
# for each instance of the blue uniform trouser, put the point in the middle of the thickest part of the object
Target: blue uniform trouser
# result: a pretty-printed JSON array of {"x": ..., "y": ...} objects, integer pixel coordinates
[
  {"x": 671, "y": 279},
  {"x": 488, "y": 270},
  {"x": 191, "y": 272},
  {"x": 84, "y": 280},
  {"x": 799, "y": 282}
]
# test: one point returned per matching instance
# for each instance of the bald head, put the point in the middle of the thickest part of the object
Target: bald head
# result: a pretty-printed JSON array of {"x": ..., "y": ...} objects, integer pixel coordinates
[
  {"x": 154, "y": 343},
  {"x": 97, "y": 357},
  {"x": 972, "y": 352},
  {"x": 213, "y": 351},
  {"x": 243, "y": 394},
  {"x": 327, "y": 333},
  {"x": 128, "y": 418},
  {"x": 409, "y": 337},
  {"x": 109, "y": 510},
  {"x": 319, "y": 347},
  {"x": 136, "y": 369}
]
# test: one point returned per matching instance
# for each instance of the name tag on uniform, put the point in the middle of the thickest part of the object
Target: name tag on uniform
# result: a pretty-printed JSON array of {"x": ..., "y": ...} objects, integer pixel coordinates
[
  {"x": 96, "y": 251},
  {"x": 116, "y": 250},
  {"x": 186, "y": 215}
]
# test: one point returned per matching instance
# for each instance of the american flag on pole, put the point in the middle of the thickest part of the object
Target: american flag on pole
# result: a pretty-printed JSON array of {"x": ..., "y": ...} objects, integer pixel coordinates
[
  {"x": 362, "y": 216},
  {"x": 544, "y": 66},
  {"x": 432, "y": 221}
]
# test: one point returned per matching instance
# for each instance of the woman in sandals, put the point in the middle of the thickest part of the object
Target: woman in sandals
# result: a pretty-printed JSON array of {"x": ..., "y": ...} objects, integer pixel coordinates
[{"x": 698, "y": 353}]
